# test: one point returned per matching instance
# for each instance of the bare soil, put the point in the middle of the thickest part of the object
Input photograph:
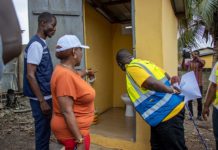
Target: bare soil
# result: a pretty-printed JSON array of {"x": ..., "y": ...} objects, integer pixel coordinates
[
  {"x": 193, "y": 140},
  {"x": 17, "y": 131}
]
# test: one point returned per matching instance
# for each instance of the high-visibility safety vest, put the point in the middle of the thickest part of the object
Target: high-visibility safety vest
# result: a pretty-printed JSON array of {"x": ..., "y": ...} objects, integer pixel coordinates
[
  {"x": 152, "y": 106},
  {"x": 215, "y": 103}
]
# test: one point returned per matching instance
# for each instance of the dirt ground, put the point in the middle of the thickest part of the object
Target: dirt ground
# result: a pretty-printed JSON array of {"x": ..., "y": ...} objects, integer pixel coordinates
[
  {"x": 17, "y": 132},
  {"x": 193, "y": 140}
]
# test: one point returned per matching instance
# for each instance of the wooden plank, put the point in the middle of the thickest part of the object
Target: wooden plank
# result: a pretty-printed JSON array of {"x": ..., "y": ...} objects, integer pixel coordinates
[
  {"x": 58, "y": 13},
  {"x": 69, "y": 15},
  {"x": 104, "y": 11},
  {"x": 124, "y": 21},
  {"x": 116, "y": 2}
]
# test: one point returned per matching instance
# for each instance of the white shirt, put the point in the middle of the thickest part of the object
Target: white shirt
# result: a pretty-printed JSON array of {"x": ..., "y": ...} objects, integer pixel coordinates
[
  {"x": 34, "y": 53},
  {"x": 34, "y": 56},
  {"x": 212, "y": 77}
]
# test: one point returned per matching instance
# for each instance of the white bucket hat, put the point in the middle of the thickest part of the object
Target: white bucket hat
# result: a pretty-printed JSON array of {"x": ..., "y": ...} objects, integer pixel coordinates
[{"x": 68, "y": 41}]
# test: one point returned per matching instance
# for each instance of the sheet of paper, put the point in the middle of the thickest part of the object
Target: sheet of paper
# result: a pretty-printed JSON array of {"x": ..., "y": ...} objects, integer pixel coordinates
[{"x": 189, "y": 87}]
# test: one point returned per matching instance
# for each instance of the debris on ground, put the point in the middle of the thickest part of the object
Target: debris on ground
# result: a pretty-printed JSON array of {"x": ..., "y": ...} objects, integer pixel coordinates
[
  {"x": 193, "y": 140},
  {"x": 17, "y": 130}
]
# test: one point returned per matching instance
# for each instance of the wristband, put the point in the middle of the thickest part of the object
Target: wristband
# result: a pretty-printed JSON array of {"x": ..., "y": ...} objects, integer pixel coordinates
[{"x": 80, "y": 141}]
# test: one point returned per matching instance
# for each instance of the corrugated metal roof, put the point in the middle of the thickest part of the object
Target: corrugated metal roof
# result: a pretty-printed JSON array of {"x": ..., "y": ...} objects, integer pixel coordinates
[
  {"x": 116, "y": 11},
  {"x": 119, "y": 11}
]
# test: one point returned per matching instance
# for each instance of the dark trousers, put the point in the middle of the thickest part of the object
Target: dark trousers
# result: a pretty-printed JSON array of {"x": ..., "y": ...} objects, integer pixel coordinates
[
  {"x": 42, "y": 125},
  {"x": 199, "y": 100},
  {"x": 169, "y": 135},
  {"x": 215, "y": 125}
]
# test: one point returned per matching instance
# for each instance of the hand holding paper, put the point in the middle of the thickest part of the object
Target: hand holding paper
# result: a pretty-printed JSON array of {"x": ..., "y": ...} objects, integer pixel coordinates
[{"x": 189, "y": 87}]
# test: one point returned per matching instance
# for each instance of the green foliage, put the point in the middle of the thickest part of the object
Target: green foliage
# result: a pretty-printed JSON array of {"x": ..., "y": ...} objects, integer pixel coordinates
[
  {"x": 198, "y": 23},
  {"x": 206, "y": 11}
]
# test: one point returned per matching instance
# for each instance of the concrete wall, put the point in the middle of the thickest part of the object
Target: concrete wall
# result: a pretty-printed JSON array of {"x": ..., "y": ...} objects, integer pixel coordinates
[
  {"x": 148, "y": 24},
  {"x": 169, "y": 38},
  {"x": 100, "y": 56},
  {"x": 105, "y": 39},
  {"x": 156, "y": 30},
  {"x": 155, "y": 33},
  {"x": 119, "y": 41}
]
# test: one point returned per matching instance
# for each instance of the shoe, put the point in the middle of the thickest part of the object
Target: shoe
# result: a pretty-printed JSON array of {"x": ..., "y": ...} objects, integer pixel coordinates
[{"x": 199, "y": 118}]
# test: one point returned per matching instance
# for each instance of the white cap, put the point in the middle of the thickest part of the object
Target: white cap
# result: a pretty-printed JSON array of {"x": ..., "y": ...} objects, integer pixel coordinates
[{"x": 68, "y": 41}]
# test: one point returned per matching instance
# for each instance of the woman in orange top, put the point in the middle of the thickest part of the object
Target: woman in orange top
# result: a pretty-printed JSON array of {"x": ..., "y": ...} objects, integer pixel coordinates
[{"x": 73, "y": 98}]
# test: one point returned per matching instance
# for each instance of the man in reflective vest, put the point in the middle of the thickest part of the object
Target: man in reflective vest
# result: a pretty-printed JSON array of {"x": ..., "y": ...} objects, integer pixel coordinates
[
  {"x": 158, "y": 103},
  {"x": 212, "y": 97}
]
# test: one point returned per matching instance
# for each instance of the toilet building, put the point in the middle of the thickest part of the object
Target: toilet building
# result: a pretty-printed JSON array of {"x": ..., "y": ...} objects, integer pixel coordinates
[
  {"x": 154, "y": 38},
  {"x": 147, "y": 28}
]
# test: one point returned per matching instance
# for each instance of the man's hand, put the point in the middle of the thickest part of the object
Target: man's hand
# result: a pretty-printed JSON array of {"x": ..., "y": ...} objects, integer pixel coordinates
[
  {"x": 46, "y": 109},
  {"x": 91, "y": 75},
  {"x": 90, "y": 72},
  {"x": 81, "y": 146},
  {"x": 210, "y": 97},
  {"x": 206, "y": 112},
  {"x": 176, "y": 90}
]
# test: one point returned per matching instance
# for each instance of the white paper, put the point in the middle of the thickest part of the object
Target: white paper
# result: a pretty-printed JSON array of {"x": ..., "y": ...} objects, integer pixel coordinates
[{"x": 189, "y": 87}]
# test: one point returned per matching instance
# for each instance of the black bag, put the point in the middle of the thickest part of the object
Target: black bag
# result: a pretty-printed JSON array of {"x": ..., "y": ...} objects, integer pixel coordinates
[{"x": 186, "y": 54}]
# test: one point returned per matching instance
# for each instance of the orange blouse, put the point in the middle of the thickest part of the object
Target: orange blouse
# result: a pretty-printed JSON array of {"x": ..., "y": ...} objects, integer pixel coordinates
[{"x": 65, "y": 82}]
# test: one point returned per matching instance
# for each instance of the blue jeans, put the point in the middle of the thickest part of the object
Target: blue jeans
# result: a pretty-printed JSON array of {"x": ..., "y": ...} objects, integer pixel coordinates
[
  {"x": 169, "y": 135},
  {"x": 42, "y": 125},
  {"x": 215, "y": 125}
]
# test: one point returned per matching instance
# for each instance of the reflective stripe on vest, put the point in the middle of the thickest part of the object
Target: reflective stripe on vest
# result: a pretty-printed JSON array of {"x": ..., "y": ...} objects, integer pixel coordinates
[
  {"x": 153, "y": 106},
  {"x": 215, "y": 103}
]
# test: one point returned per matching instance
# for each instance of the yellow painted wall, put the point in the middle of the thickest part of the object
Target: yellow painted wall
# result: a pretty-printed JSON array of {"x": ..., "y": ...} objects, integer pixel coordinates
[
  {"x": 155, "y": 33},
  {"x": 148, "y": 15},
  {"x": 208, "y": 61},
  {"x": 169, "y": 38},
  {"x": 148, "y": 27},
  {"x": 153, "y": 40},
  {"x": 119, "y": 41},
  {"x": 100, "y": 56}
]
